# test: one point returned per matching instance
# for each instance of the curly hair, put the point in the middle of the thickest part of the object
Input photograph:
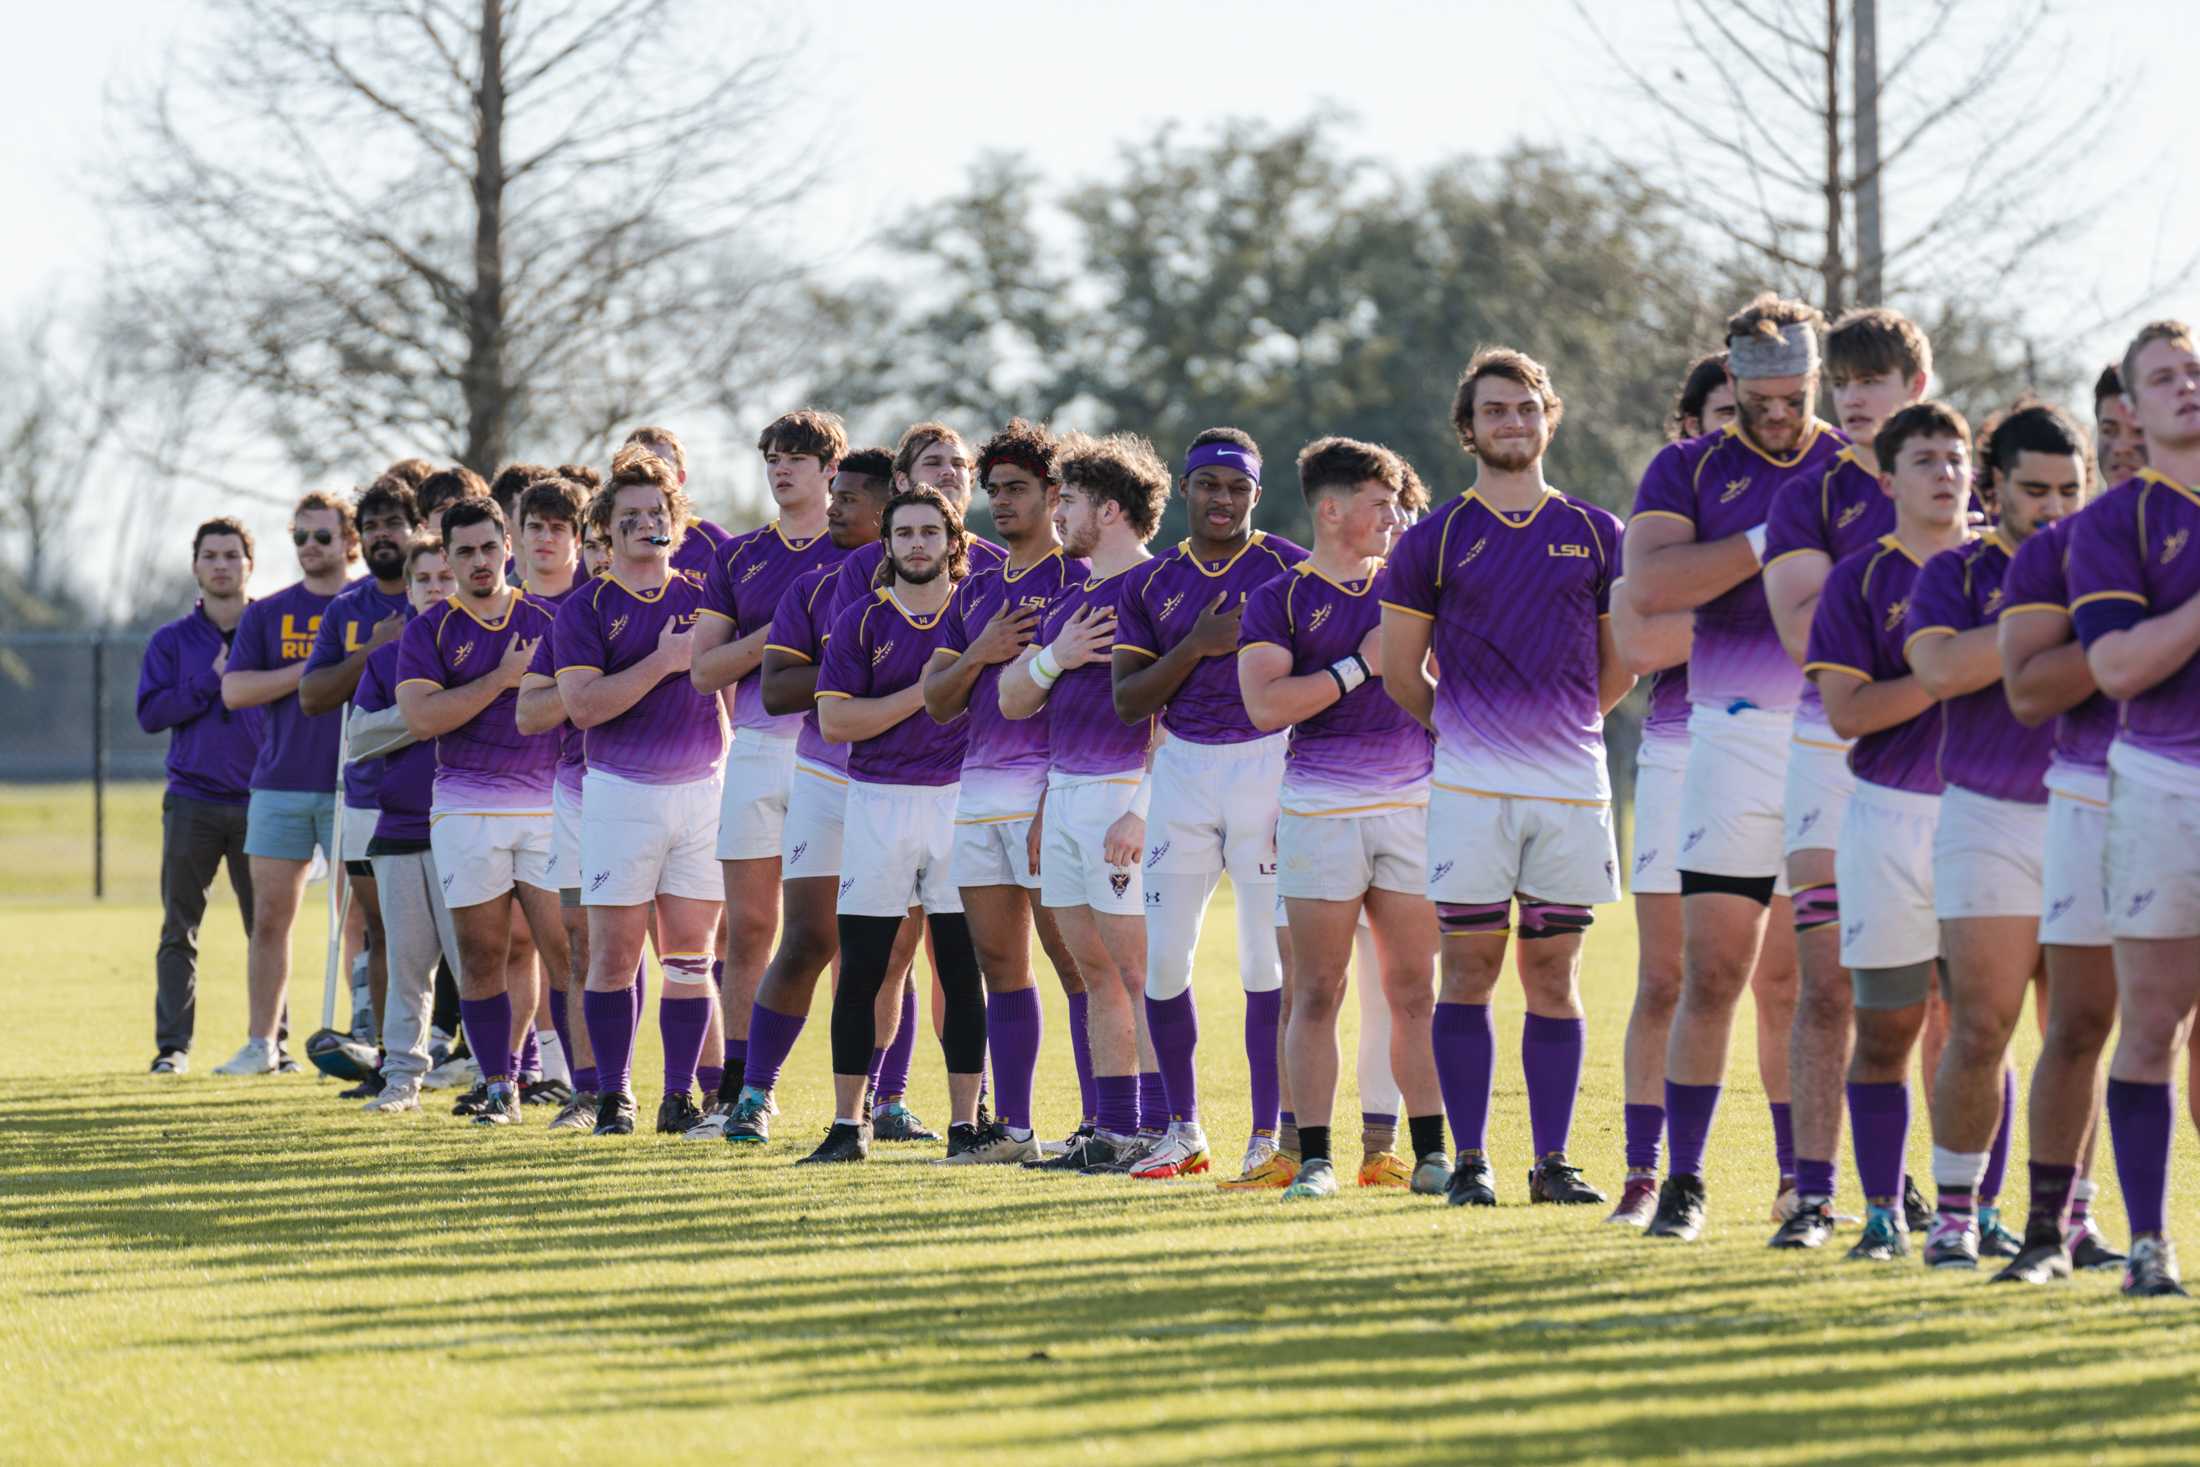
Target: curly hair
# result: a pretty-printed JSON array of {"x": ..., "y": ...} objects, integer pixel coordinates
[
  {"x": 414, "y": 471},
  {"x": 1123, "y": 469},
  {"x": 958, "y": 539},
  {"x": 1706, "y": 375},
  {"x": 637, "y": 464},
  {"x": 1027, "y": 445},
  {"x": 387, "y": 493},
  {"x": 664, "y": 443}
]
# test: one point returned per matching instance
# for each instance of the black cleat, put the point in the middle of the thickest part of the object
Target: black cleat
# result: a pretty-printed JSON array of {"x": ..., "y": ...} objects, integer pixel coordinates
[
  {"x": 676, "y": 1113},
  {"x": 1102, "y": 1156},
  {"x": 2151, "y": 1271},
  {"x": 615, "y": 1114},
  {"x": 2088, "y": 1250},
  {"x": 1680, "y": 1210},
  {"x": 472, "y": 1101},
  {"x": 501, "y": 1108},
  {"x": 842, "y": 1143},
  {"x": 1916, "y": 1216},
  {"x": 897, "y": 1122},
  {"x": 1553, "y": 1180},
  {"x": 366, "y": 1089},
  {"x": 1473, "y": 1183},
  {"x": 961, "y": 1138},
  {"x": 2043, "y": 1259},
  {"x": 545, "y": 1092},
  {"x": 1071, "y": 1158},
  {"x": 171, "y": 1062},
  {"x": 1995, "y": 1240},
  {"x": 1809, "y": 1226},
  {"x": 749, "y": 1123},
  {"x": 1884, "y": 1240}
]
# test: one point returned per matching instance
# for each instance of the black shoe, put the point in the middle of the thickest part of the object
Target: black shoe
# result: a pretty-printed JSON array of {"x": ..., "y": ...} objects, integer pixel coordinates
[
  {"x": 1101, "y": 1156},
  {"x": 615, "y": 1114},
  {"x": 750, "y": 1122},
  {"x": 1472, "y": 1182},
  {"x": 1884, "y": 1239},
  {"x": 2151, "y": 1270},
  {"x": 170, "y": 1062},
  {"x": 545, "y": 1092},
  {"x": 1995, "y": 1240},
  {"x": 2042, "y": 1260},
  {"x": 1071, "y": 1158},
  {"x": 1916, "y": 1216},
  {"x": 842, "y": 1143},
  {"x": 284, "y": 1064},
  {"x": 1810, "y": 1226},
  {"x": 2089, "y": 1251},
  {"x": 1680, "y": 1210},
  {"x": 341, "y": 1057},
  {"x": 676, "y": 1113},
  {"x": 961, "y": 1138},
  {"x": 1553, "y": 1180},
  {"x": 897, "y": 1122},
  {"x": 366, "y": 1089},
  {"x": 500, "y": 1107}
]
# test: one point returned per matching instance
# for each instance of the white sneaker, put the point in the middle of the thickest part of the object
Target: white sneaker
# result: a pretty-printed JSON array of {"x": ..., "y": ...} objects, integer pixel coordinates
[
  {"x": 458, "y": 1074},
  {"x": 256, "y": 1058},
  {"x": 398, "y": 1095}
]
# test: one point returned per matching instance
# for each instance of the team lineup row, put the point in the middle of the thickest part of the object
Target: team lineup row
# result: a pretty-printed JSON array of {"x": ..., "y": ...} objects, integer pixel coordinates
[{"x": 1875, "y": 784}]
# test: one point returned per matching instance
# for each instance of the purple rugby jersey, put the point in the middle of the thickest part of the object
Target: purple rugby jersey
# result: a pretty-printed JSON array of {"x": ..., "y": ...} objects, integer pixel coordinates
[
  {"x": 2036, "y": 583},
  {"x": 298, "y": 753},
  {"x": 1836, "y": 511},
  {"x": 1983, "y": 748},
  {"x": 877, "y": 649},
  {"x": 572, "y": 742},
  {"x": 1085, "y": 740},
  {"x": 485, "y": 763},
  {"x": 211, "y": 747},
  {"x": 407, "y": 782},
  {"x": 346, "y": 627},
  {"x": 1724, "y": 485},
  {"x": 799, "y": 628},
  {"x": 1517, "y": 601},
  {"x": 699, "y": 546},
  {"x": 672, "y": 734},
  {"x": 860, "y": 568},
  {"x": 1857, "y": 631},
  {"x": 1363, "y": 752},
  {"x": 1667, "y": 718},
  {"x": 2131, "y": 557},
  {"x": 747, "y": 577},
  {"x": 1005, "y": 768},
  {"x": 1160, "y": 604}
]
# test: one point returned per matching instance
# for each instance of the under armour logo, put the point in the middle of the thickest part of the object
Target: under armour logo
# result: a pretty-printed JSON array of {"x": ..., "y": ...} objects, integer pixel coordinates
[
  {"x": 1153, "y": 898},
  {"x": 1156, "y": 854},
  {"x": 1690, "y": 843},
  {"x": 1120, "y": 882}
]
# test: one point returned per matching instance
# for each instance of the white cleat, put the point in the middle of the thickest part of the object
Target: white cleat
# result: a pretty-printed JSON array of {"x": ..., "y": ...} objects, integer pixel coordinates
[
  {"x": 256, "y": 1058},
  {"x": 712, "y": 1127},
  {"x": 397, "y": 1096},
  {"x": 1257, "y": 1152}
]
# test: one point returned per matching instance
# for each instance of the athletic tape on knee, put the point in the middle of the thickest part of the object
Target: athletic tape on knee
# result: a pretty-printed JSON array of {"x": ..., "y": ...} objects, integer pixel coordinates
[
  {"x": 1553, "y": 919},
  {"x": 1472, "y": 917},
  {"x": 685, "y": 969},
  {"x": 1817, "y": 906}
]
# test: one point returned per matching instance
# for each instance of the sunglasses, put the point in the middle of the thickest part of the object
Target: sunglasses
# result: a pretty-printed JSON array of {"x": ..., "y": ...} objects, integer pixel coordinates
[{"x": 318, "y": 537}]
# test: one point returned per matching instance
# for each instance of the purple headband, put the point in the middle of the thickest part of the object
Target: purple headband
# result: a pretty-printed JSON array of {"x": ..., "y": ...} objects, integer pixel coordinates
[{"x": 1223, "y": 455}]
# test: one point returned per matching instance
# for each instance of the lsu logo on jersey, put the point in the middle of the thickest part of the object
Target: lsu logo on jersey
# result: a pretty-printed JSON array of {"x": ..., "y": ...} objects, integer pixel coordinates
[
  {"x": 1321, "y": 614},
  {"x": 618, "y": 625},
  {"x": 1896, "y": 610},
  {"x": 297, "y": 640},
  {"x": 1475, "y": 550},
  {"x": 459, "y": 654},
  {"x": 1568, "y": 552},
  {"x": 1849, "y": 516},
  {"x": 881, "y": 651},
  {"x": 2171, "y": 547},
  {"x": 1170, "y": 605},
  {"x": 1735, "y": 489}
]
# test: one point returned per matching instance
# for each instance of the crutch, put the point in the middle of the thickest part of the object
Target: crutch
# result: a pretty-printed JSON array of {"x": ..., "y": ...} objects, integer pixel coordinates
[{"x": 339, "y": 883}]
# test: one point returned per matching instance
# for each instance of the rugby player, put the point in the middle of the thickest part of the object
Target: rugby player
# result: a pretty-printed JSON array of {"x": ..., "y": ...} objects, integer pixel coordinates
[
  {"x": 699, "y": 546},
  {"x": 1216, "y": 784},
  {"x": 2132, "y": 583},
  {"x": 1520, "y": 803},
  {"x": 292, "y": 807},
  {"x": 1093, "y": 826},
  {"x": 902, "y": 778},
  {"x": 2119, "y": 443},
  {"x": 1353, "y": 834},
  {"x": 990, "y": 620},
  {"x": 1695, "y": 544},
  {"x": 649, "y": 801},
  {"x": 210, "y": 755},
  {"x": 1884, "y": 865}
]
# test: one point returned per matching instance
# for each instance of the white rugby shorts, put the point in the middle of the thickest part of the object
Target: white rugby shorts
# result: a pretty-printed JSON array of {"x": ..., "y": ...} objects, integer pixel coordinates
[
  {"x": 1987, "y": 856},
  {"x": 1884, "y": 867},
  {"x": 1734, "y": 792},
  {"x": 903, "y": 852},
  {"x": 1660, "y": 767},
  {"x": 1214, "y": 808},
  {"x": 1337, "y": 858},
  {"x": 479, "y": 855},
  {"x": 1073, "y": 871},
  {"x": 2153, "y": 860},
  {"x": 639, "y": 841},
  {"x": 752, "y": 810},
  {"x": 2073, "y": 873},
  {"x": 1490, "y": 848},
  {"x": 817, "y": 806},
  {"x": 1819, "y": 788},
  {"x": 565, "y": 837}
]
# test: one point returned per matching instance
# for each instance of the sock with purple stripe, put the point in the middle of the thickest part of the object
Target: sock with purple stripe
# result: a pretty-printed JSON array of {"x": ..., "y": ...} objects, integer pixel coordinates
[
  {"x": 1813, "y": 1178},
  {"x": 1013, "y": 1024},
  {"x": 1118, "y": 1103},
  {"x": 488, "y": 1024},
  {"x": 2051, "y": 1188},
  {"x": 1645, "y": 1127},
  {"x": 682, "y": 1023},
  {"x": 1080, "y": 1054},
  {"x": 1287, "y": 1132},
  {"x": 610, "y": 1021},
  {"x": 1689, "y": 1111},
  {"x": 893, "y": 1070},
  {"x": 1263, "y": 1015},
  {"x": 1997, "y": 1155},
  {"x": 1174, "y": 1025},
  {"x": 1550, "y": 1058},
  {"x": 1879, "y": 1129},
  {"x": 1465, "y": 1041},
  {"x": 771, "y": 1039},
  {"x": 1783, "y": 1136},
  {"x": 1153, "y": 1102},
  {"x": 2141, "y": 1122}
]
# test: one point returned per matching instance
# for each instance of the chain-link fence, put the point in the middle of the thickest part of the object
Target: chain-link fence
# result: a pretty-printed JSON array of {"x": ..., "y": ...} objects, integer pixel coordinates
[{"x": 79, "y": 780}]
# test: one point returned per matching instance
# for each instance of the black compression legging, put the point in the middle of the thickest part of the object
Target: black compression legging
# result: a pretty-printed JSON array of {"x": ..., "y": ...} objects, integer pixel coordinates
[{"x": 866, "y": 947}]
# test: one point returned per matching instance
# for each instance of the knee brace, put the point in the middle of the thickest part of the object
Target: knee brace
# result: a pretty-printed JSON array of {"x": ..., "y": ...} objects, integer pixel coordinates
[
  {"x": 1816, "y": 907},
  {"x": 1552, "y": 919},
  {"x": 685, "y": 970},
  {"x": 1472, "y": 919}
]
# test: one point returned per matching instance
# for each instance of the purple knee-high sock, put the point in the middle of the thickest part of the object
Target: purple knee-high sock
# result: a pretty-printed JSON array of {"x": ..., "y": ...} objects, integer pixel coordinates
[
  {"x": 1153, "y": 1102},
  {"x": 610, "y": 1021},
  {"x": 1783, "y": 1136},
  {"x": 1879, "y": 1128},
  {"x": 893, "y": 1072},
  {"x": 771, "y": 1039},
  {"x": 1645, "y": 1126},
  {"x": 1997, "y": 1155},
  {"x": 560, "y": 1020},
  {"x": 1174, "y": 1025},
  {"x": 1118, "y": 1104},
  {"x": 488, "y": 1024},
  {"x": 2141, "y": 1121},
  {"x": 1550, "y": 1057},
  {"x": 682, "y": 1023},
  {"x": 1465, "y": 1040},
  {"x": 1813, "y": 1178},
  {"x": 1689, "y": 1111},
  {"x": 529, "y": 1059},
  {"x": 1263, "y": 1015},
  {"x": 1080, "y": 1053},
  {"x": 709, "y": 1078},
  {"x": 1013, "y": 1024}
]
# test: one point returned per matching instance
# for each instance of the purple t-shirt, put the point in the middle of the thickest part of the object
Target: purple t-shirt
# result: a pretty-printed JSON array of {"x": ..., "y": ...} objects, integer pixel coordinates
[
  {"x": 2128, "y": 561},
  {"x": 407, "y": 781},
  {"x": 1006, "y": 764},
  {"x": 878, "y": 649},
  {"x": 671, "y": 734},
  {"x": 1517, "y": 601},
  {"x": 346, "y": 626},
  {"x": 799, "y": 629},
  {"x": 485, "y": 763},
  {"x": 1723, "y": 485},
  {"x": 747, "y": 577},
  {"x": 1983, "y": 748},
  {"x": 298, "y": 753},
  {"x": 1857, "y": 631},
  {"x": 2036, "y": 583},
  {"x": 1085, "y": 739},
  {"x": 1836, "y": 511},
  {"x": 699, "y": 546},
  {"x": 211, "y": 747},
  {"x": 1162, "y": 601},
  {"x": 1363, "y": 752}
]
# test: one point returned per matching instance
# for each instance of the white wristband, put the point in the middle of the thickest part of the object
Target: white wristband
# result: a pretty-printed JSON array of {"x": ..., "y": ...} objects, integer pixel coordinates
[
  {"x": 1045, "y": 671},
  {"x": 1350, "y": 672},
  {"x": 1142, "y": 796},
  {"x": 1756, "y": 538}
]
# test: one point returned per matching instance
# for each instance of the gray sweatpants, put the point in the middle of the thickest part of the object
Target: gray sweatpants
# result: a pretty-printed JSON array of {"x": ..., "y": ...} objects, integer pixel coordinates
[
  {"x": 418, "y": 928},
  {"x": 196, "y": 837}
]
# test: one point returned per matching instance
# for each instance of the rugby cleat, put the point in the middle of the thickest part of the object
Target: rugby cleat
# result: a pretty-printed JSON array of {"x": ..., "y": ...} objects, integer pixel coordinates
[
  {"x": 171, "y": 1062},
  {"x": 500, "y": 1107},
  {"x": 1995, "y": 1240},
  {"x": 577, "y": 1114},
  {"x": 993, "y": 1146},
  {"x": 2088, "y": 1249},
  {"x": 284, "y": 1064},
  {"x": 1315, "y": 1180},
  {"x": 1431, "y": 1174},
  {"x": 615, "y": 1113},
  {"x": 1107, "y": 1155},
  {"x": 843, "y": 1143},
  {"x": 1638, "y": 1203},
  {"x": 256, "y": 1058},
  {"x": 1075, "y": 1140},
  {"x": 1259, "y": 1149},
  {"x": 1273, "y": 1172},
  {"x": 1952, "y": 1244},
  {"x": 1809, "y": 1226},
  {"x": 1885, "y": 1238},
  {"x": 396, "y": 1097},
  {"x": 366, "y": 1089},
  {"x": 897, "y": 1122},
  {"x": 675, "y": 1113},
  {"x": 1916, "y": 1216},
  {"x": 1182, "y": 1153},
  {"x": 1472, "y": 1183},
  {"x": 544, "y": 1092},
  {"x": 472, "y": 1101},
  {"x": 712, "y": 1127},
  {"x": 2043, "y": 1260},
  {"x": 1554, "y": 1179},
  {"x": 1680, "y": 1210},
  {"x": 2151, "y": 1271},
  {"x": 749, "y": 1123},
  {"x": 1385, "y": 1169}
]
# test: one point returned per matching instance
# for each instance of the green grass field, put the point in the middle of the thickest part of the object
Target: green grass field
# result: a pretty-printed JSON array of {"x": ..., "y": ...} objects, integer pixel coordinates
[{"x": 242, "y": 1271}]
